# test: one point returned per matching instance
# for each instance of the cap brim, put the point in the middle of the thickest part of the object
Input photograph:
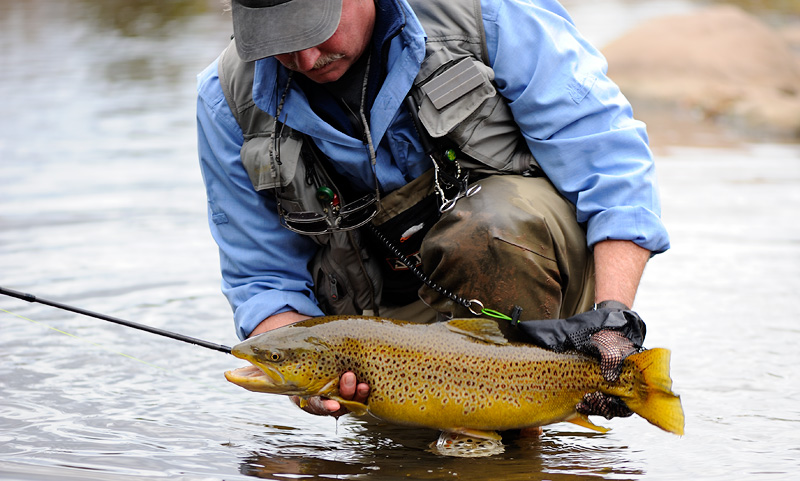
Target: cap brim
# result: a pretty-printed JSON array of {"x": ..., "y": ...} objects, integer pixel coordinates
[{"x": 287, "y": 27}]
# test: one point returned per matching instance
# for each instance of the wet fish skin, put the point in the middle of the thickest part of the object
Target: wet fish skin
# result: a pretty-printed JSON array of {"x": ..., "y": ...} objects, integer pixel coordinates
[{"x": 460, "y": 376}]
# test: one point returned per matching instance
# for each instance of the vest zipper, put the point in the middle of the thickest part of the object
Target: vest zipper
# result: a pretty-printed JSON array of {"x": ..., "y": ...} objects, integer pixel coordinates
[
  {"x": 371, "y": 286},
  {"x": 333, "y": 286}
]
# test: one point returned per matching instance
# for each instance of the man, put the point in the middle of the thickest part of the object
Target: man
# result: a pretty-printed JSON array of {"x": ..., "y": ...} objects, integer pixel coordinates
[{"x": 389, "y": 115}]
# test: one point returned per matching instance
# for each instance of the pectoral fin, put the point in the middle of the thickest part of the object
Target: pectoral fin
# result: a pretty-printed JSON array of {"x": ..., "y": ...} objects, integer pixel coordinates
[
  {"x": 357, "y": 408},
  {"x": 477, "y": 433}
]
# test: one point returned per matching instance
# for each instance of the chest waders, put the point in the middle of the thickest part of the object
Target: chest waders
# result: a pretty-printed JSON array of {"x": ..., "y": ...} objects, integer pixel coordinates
[{"x": 457, "y": 103}]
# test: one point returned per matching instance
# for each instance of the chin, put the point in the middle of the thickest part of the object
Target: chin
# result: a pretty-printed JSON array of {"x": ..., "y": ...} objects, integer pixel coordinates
[
  {"x": 324, "y": 77},
  {"x": 328, "y": 73}
]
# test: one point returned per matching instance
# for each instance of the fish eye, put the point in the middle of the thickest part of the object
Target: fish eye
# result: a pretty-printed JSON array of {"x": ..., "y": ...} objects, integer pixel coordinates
[{"x": 275, "y": 356}]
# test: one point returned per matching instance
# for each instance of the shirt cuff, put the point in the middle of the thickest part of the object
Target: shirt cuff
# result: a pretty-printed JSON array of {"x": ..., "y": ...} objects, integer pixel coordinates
[
  {"x": 637, "y": 224},
  {"x": 268, "y": 303}
]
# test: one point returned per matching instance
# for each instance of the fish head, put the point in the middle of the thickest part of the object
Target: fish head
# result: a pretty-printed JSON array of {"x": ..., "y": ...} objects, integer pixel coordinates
[{"x": 286, "y": 361}]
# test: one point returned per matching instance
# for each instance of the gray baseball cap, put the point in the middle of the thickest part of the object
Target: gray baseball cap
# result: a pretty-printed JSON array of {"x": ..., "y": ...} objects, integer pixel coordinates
[{"x": 263, "y": 28}]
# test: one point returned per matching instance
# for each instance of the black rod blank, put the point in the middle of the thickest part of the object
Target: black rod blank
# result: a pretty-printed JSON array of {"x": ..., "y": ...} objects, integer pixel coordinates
[{"x": 172, "y": 335}]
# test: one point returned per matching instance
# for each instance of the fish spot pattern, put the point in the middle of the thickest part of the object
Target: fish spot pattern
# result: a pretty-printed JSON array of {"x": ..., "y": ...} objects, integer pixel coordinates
[{"x": 428, "y": 375}]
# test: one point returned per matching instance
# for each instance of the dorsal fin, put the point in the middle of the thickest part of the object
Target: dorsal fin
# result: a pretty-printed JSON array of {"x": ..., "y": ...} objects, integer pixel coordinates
[{"x": 485, "y": 330}]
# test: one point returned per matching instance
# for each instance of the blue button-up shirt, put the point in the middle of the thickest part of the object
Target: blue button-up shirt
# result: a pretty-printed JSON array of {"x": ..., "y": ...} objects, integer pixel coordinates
[{"x": 576, "y": 122}]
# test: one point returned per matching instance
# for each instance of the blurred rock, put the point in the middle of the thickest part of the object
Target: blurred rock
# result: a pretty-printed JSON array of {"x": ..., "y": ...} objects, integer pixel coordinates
[
  {"x": 718, "y": 63},
  {"x": 791, "y": 34}
]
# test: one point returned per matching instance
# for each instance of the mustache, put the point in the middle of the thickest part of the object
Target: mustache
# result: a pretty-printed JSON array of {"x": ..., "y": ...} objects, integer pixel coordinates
[{"x": 321, "y": 62}]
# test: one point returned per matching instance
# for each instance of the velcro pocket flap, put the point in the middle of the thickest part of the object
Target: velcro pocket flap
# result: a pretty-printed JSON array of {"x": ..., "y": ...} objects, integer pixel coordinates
[
  {"x": 453, "y": 94},
  {"x": 457, "y": 81}
]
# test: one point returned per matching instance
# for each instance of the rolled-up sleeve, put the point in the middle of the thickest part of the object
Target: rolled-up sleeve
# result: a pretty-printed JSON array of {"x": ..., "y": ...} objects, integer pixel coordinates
[
  {"x": 576, "y": 122},
  {"x": 264, "y": 266}
]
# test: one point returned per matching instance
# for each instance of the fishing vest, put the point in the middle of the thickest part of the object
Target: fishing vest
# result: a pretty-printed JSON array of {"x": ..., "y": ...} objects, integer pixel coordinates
[{"x": 457, "y": 100}]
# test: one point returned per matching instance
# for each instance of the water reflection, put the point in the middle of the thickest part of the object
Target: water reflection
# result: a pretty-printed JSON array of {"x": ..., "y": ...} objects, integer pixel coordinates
[
  {"x": 269, "y": 466},
  {"x": 143, "y": 18},
  {"x": 121, "y": 40},
  {"x": 377, "y": 450}
]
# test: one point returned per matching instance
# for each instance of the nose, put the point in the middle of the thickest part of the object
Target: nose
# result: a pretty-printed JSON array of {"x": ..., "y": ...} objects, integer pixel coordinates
[{"x": 304, "y": 60}]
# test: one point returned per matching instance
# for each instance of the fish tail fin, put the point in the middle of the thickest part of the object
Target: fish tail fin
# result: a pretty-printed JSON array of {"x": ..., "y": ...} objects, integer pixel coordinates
[{"x": 653, "y": 398}]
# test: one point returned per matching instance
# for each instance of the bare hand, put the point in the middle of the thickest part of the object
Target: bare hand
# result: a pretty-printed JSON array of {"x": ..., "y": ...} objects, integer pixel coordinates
[{"x": 349, "y": 389}]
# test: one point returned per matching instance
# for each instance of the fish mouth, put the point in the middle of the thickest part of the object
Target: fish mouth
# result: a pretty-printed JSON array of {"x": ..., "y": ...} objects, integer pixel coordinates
[{"x": 255, "y": 378}]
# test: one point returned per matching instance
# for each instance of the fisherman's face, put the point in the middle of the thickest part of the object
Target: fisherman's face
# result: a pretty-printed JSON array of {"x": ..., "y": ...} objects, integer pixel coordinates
[{"x": 330, "y": 60}]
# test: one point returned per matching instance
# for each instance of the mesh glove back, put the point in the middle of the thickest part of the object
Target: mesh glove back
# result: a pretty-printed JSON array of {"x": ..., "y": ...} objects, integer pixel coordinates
[
  {"x": 611, "y": 333},
  {"x": 599, "y": 404}
]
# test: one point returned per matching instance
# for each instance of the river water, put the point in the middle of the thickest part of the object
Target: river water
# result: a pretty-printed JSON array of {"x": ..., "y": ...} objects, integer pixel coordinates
[{"x": 102, "y": 206}]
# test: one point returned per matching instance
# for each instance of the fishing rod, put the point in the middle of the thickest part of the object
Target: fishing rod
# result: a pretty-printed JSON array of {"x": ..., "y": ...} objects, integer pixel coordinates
[{"x": 172, "y": 335}]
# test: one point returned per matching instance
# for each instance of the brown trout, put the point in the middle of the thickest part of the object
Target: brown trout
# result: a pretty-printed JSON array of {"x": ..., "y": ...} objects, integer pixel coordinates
[{"x": 461, "y": 376}]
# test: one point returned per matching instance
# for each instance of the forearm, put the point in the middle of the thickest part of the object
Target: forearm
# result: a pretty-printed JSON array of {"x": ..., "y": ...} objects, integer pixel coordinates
[
  {"x": 618, "y": 269},
  {"x": 278, "y": 320}
]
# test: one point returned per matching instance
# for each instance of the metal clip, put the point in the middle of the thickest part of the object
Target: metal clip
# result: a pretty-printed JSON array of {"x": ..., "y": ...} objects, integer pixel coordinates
[
  {"x": 475, "y": 310},
  {"x": 463, "y": 191},
  {"x": 449, "y": 204},
  {"x": 460, "y": 180}
]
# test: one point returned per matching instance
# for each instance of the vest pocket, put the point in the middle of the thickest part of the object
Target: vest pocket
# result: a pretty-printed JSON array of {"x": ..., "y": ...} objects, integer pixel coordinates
[
  {"x": 295, "y": 179},
  {"x": 330, "y": 286},
  {"x": 459, "y": 100},
  {"x": 453, "y": 94},
  {"x": 346, "y": 279},
  {"x": 260, "y": 159}
]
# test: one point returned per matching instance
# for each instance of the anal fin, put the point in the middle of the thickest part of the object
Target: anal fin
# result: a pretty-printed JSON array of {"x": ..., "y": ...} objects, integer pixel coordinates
[{"x": 583, "y": 420}]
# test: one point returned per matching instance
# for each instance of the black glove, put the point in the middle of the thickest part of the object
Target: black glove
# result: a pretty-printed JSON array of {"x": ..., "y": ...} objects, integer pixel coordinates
[
  {"x": 610, "y": 332},
  {"x": 599, "y": 404}
]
